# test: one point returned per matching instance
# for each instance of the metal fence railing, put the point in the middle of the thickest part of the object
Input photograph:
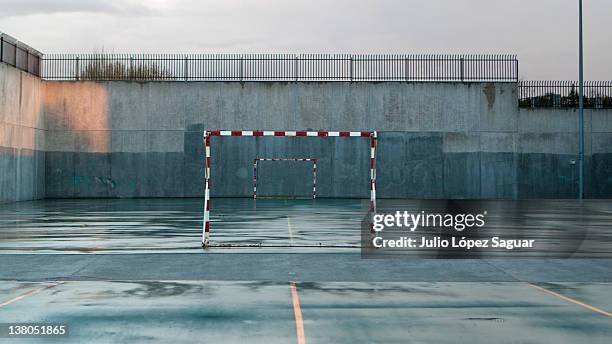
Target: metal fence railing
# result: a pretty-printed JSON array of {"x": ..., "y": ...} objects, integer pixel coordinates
[
  {"x": 19, "y": 55},
  {"x": 564, "y": 94},
  {"x": 280, "y": 67}
]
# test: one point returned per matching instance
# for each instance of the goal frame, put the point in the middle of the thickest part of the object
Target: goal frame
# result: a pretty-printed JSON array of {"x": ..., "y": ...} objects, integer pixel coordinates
[
  {"x": 208, "y": 134},
  {"x": 314, "y": 172}
]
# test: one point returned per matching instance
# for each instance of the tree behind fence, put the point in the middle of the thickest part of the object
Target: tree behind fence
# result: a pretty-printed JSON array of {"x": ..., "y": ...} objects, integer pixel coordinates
[{"x": 564, "y": 94}]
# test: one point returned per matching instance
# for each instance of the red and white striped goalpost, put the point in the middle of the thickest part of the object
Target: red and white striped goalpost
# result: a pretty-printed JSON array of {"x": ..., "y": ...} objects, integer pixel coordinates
[
  {"x": 314, "y": 172},
  {"x": 207, "y": 161}
]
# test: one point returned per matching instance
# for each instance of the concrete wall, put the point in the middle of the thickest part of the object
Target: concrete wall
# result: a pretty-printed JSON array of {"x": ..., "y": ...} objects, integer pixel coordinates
[
  {"x": 548, "y": 143},
  {"x": 437, "y": 140},
  {"x": 22, "y": 156}
]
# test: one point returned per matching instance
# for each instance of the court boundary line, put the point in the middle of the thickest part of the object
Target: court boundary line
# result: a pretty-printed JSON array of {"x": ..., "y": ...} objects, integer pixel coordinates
[
  {"x": 290, "y": 231},
  {"x": 238, "y": 245},
  {"x": 572, "y": 300},
  {"x": 29, "y": 293},
  {"x": 297, "y": 313}
]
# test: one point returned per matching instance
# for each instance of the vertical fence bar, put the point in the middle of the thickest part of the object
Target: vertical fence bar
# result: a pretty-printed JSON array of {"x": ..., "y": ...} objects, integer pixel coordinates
[
  {"x": 295, "y": 67},
  {"x": 185, "y": 69},
  {"x": 131, "y": 74},
  {"x": 76, "y": 70},
  {"x": 406, "y": 69},
  {"x": 241, "y": 72},
  {"x": 516, "y": 70}
]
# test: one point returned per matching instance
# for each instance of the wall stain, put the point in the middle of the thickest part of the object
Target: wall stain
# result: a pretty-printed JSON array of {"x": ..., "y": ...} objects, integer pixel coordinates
[{"x": 489, "y": 91}]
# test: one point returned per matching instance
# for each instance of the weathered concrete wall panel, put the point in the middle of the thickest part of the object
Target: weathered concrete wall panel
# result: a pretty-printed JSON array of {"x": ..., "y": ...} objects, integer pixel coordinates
[
  {"x": 272, "y": 179},
  {"x": 498, "y": 175},
  {"x": 437, "y": 140},
  {"x": 543, "y": 175},
  {"x": 599, "y": 176},
  {"x": 462, "y": 177},
  {"x": 59, "y": 174},
  {"x": 22, "y": 136}
]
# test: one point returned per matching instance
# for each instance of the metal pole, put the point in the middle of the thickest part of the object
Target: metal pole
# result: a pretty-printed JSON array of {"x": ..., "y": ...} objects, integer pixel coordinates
[
  {"x": 314, "y": 178},
  {"x": 206, "y": 220},
  {"x": 581, "y": 108},
  {"x": 254, "y": 178}
]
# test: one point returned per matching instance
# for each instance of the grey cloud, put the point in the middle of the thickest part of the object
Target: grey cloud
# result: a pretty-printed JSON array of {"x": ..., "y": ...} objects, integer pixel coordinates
[
  {"x": 10, "y": 8},
  {"x": 543, "y": 33}
]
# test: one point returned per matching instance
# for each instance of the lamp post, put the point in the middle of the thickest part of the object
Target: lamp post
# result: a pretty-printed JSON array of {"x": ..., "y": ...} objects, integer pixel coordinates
[{"x": 580, "y": 107}]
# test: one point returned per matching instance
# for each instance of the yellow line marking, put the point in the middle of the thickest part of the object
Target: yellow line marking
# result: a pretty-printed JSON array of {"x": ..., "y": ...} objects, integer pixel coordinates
[
  {"x": 569, "y": 299},
  {"x": 290, "y": 232},
  {"x": 297, "y": 312},
  {"x": 29, "y": 293}
]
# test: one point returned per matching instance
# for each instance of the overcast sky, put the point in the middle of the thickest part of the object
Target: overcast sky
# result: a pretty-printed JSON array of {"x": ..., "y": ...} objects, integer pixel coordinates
[{"x": 543, "y": 33}]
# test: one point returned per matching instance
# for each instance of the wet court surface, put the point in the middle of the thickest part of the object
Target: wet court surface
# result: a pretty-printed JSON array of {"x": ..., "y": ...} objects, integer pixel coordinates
[
  {"x": 133, "y": 271},
  {"x": 340, "y": 312},
  {"x": 278, "y": 225},
  {"x": 175, "y": 225}
]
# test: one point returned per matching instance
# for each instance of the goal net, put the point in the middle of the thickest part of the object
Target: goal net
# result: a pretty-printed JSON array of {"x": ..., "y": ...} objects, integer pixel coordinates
[
  {"x": 314, "y": 172},
  {"x": 311, "y": 135}
]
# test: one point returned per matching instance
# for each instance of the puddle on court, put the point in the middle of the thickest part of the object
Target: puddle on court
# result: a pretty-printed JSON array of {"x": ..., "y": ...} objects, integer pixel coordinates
[
  {"x": 279, "y": 225},
  {"x": 175, "y": 225}
]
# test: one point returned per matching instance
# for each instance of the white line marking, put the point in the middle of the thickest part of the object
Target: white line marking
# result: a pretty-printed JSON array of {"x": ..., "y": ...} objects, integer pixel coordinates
[
  {"x": 290, "y": 231},
  {"x": 29, "y": 293}
]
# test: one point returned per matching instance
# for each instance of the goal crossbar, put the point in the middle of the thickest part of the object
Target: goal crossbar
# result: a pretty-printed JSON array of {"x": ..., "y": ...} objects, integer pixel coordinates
[
  {"x": 208, "y": 134},
  {"x": 314, "y": 172}
]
